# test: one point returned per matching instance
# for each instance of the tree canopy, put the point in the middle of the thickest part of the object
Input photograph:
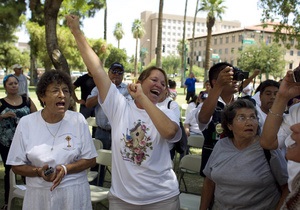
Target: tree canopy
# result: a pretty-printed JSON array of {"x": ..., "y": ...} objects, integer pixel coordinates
[{"x": 286, "y": 12}]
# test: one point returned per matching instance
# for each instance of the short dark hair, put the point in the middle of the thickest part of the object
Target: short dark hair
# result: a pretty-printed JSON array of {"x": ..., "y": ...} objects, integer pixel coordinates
[
  {"x": 229, "y": 114},
  {"x": 268, "y": 83},
  {"x": 172, "y": 83},
  {"x": 215, "y": 70},
  {"x": 52, "y": 76}
]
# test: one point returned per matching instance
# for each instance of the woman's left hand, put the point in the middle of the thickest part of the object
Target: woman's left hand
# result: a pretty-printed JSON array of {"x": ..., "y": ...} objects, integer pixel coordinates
[{"x": 60, "y": 173}]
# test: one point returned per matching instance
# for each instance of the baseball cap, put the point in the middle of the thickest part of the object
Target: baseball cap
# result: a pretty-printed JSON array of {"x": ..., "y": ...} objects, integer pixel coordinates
[
  {"x": 116, "y": 65},
  {"x": 16, "y": 66}
]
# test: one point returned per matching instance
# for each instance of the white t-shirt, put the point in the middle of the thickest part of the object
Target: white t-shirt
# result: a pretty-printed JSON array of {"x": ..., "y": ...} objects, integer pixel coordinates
[
  {"x": 32, "y": 145},
  {"x": 191, "y": 120},
  {"x": 285, "y": 140},
  {"x": 141, "y": 165}
]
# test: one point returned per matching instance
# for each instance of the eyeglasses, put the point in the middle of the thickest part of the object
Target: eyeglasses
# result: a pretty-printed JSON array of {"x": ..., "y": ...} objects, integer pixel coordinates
[
  {"x": 58, "y": 91},
  {"x": 243, "y": 119},
  {"x": 115, "y": 71}
]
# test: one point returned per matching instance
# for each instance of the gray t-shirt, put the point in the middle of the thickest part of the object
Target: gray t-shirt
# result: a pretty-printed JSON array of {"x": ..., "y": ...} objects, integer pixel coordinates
[{"x": 243, "y": 178}]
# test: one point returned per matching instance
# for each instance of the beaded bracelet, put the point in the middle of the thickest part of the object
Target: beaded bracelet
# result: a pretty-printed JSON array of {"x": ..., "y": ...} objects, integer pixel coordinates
[{"x": 276, "y": 115}]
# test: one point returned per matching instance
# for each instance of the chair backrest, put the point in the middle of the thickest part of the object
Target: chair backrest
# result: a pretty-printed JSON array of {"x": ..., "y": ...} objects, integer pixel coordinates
[
  {"x": 191, "y": 163},
  {"x": 196, "y": 141},
  {"x": 183, "y": 108},
  {"x": 104, "y": 157},
  {"x": 12, "y": 179},
  {"x": 92, "y": 121},
  {"x": 98, "y": 144}
]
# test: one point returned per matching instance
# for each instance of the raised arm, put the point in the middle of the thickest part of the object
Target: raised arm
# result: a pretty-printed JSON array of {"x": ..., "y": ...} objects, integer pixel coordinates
[
  {"x": 89, "y": 57},
  {"x": 208, "y": 107},
  {"x": 288, "y": 89}
]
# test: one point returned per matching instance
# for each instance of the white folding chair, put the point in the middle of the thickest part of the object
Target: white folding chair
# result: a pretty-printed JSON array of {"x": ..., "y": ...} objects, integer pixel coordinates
[
  {"x": 91, "y": 121},
  {"x": 15, "y": 191},
  {"x": 191, "y": 163},
  {"x": 93, "y": 174},
  {"x": 99, "y": 194},
  {"x": 183, "y": 108},
  {"x": 195, "y": 141}
]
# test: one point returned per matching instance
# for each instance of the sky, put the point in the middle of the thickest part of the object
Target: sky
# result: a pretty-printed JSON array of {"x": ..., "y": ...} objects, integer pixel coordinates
[{"x": 127, "y": 11}]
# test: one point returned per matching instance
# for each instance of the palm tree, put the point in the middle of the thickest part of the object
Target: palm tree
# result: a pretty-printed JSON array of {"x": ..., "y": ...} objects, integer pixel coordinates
[
  {"x": 159, "y": 33},
  {"x": 138, "y": 32},
  {"x": 193, "y": 37},
  {"x": 183, "y": 49},
  {"x": 119, "y": 33},
  {"x": 214, "y": 9}
]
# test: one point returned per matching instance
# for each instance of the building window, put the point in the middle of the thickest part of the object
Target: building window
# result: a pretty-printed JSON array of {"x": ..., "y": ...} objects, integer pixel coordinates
[
  {"x": 291, "y": 52},
  {"x": 215, "y": 41},
  {"x": 233, "y": 39},
  {"x": 298, "y": 53},
  {"x": 221, "y": 40},
  {"x": 200, "y": 43},
  {"x": 232, "y": 50},
  {"x": 220, "y": 51},
  {"x": 227, "y": 40},
  {"x": 226, "y": 51},
  {"x": 291, "y": 65},
  {"x": 240, "y": 38}
]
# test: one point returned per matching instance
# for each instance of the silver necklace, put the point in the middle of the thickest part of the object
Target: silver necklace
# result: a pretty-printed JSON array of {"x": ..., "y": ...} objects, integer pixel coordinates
[{"x": 54, "y": 136}]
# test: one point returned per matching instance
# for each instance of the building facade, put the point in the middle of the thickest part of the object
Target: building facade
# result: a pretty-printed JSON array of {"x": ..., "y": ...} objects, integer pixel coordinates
[
  {"x": 172, "y": 32},
  {"x": 225, "y": 45}
]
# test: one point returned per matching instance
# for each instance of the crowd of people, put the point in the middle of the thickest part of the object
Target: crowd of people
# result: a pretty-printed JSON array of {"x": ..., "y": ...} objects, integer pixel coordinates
[{"x": 250, "y": 157}]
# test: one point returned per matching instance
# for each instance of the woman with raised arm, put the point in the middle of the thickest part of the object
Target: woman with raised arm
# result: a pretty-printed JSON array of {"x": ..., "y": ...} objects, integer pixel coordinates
[{"x": 142, "y": 175}]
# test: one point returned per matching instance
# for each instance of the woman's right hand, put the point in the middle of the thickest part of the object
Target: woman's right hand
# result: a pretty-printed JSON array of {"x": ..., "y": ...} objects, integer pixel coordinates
[
  {"x": 48, "y": 178},
  {"x": 9, "y": 114}
]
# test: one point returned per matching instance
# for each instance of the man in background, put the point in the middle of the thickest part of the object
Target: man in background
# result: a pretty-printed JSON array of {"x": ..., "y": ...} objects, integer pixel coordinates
[
  {"x": 23, "y": 85},
  {"x": 86, "y": 84},
  {"x": 189, "y": 84}
]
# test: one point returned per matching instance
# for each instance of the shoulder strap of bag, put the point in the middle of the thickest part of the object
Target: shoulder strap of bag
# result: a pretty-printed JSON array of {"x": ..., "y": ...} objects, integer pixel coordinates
[{"x": 169, "y": 103}]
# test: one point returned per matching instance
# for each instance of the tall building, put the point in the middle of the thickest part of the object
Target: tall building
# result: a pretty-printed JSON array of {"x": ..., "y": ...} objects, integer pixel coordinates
[
  {"x": 225, "y": 45},
  {"x": 172, "y": 32}
]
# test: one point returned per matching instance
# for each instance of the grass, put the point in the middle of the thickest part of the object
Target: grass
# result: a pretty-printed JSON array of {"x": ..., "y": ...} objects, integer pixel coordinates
[{"x": 194, "y": 182}]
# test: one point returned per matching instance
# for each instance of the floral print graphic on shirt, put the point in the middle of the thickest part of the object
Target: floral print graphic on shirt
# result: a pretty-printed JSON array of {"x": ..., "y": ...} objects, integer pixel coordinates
[{"x": 136, "y": 144}]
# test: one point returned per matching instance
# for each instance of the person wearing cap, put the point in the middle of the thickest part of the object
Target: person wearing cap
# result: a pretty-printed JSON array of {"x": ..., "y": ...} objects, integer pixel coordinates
[
  {"x": 23, "y": 85},
  {"x": 103, "y": 131}
]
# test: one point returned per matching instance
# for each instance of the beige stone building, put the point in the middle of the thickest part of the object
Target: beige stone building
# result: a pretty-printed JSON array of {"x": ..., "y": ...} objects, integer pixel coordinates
[
  {"x": 172, "y": 32},
  {"x": 225, "y": 45}
]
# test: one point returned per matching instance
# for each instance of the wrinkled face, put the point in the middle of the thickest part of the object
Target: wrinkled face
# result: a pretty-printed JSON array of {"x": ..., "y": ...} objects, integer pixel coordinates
[
  {"x": 12, "y": 85},
  {"x": 245, "y": 124},
  {"x": 293, "y": 150},
  {"x": 57, "y": 98},
  {"x": 116, "y": 76},
  {"x": 154, "y": 85},
  {"x": 267, "y": 98}
]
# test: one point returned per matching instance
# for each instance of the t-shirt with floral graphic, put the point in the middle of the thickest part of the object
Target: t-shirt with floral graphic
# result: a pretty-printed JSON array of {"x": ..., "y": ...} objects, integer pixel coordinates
[{"x": 141, "y": 165}]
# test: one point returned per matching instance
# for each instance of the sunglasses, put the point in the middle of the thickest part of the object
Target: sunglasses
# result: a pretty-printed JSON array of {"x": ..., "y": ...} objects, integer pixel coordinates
[{"x": 115, "y": 71}]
